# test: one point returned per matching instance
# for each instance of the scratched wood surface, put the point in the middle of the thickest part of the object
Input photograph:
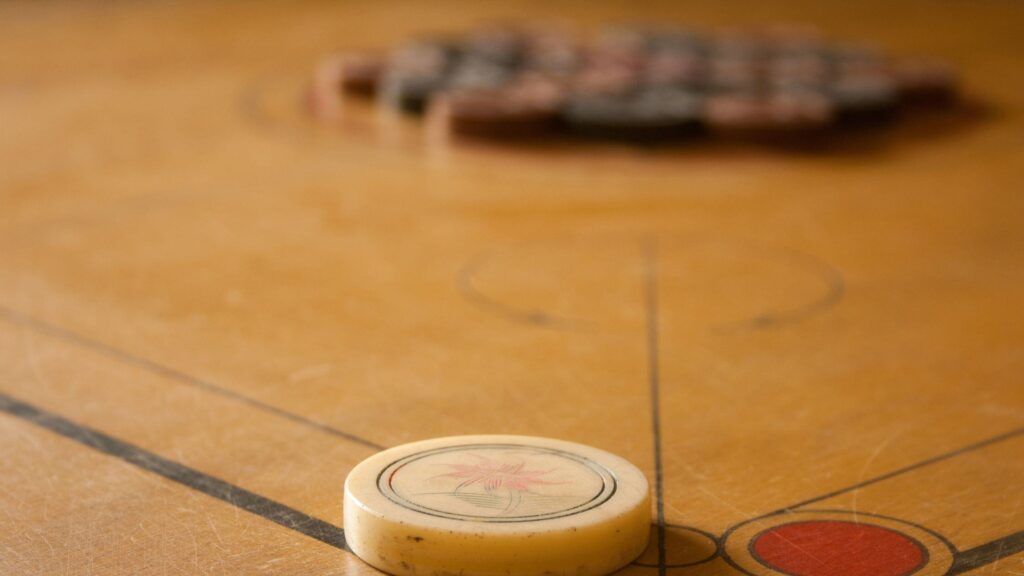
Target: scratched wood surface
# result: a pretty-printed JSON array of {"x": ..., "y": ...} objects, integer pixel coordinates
[{"x": 211, "y": 307}]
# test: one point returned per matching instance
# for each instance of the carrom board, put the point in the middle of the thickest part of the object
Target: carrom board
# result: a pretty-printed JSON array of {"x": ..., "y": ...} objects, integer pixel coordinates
[{"x": 212, "y": 307}]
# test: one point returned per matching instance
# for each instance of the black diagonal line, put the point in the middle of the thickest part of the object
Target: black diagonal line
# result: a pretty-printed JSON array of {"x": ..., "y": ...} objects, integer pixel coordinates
[
  {"x": 987, "y": 553},
  {"x": 927, "y": 462},
  {"x": 651, "y": 302},
  {"x": 211, "y": 486},
  {"x": 129, "y": 358}
]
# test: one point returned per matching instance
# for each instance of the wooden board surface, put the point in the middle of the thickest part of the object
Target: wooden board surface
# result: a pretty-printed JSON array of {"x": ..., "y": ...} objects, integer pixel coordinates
[{"x": 211, "y": 307}]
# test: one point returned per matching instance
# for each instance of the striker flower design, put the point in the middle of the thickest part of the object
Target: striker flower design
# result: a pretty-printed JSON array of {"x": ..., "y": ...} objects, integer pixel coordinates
[{"x": 497, "y": 477}]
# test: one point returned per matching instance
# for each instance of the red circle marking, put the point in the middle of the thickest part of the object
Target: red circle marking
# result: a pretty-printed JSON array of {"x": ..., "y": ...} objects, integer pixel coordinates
[{"x": 838, "y": 548}]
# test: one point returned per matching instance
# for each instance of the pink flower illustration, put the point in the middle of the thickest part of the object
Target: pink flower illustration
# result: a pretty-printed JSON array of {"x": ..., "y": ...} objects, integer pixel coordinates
[{"x": 493, "y": 476}]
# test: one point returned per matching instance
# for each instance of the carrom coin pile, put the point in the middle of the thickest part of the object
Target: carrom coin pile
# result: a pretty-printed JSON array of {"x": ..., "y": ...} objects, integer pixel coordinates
[{"x": 780, "y": 86}]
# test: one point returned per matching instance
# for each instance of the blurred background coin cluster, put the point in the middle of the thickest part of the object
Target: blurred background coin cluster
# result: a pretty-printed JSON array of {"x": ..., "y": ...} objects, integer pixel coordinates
[{"x": 782, "y": 85}]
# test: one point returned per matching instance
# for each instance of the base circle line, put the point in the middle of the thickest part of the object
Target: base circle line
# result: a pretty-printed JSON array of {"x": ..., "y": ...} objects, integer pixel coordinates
[
  {"x": 938, "y": 551},
  {"x": 714, "y": 554}
]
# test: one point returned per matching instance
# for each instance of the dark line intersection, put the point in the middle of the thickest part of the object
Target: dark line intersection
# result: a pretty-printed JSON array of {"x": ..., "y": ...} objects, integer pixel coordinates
[{"x": 330, "y": 534}]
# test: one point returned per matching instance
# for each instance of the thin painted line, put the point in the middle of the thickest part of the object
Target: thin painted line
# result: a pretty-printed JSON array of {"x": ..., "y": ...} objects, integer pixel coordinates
[
  {"x": 654, "y": 376},
  {"x": 535, "y": 317},
  {"x": 987, "y": 553},
  {"x": 236, "y": 496},
  {"x": 927, "y": 462},
  {"x": 174, "y": 374}
]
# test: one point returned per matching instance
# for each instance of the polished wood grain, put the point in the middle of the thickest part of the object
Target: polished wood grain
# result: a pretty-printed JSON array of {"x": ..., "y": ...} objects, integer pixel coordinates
[{"x": 194, "y": 268}]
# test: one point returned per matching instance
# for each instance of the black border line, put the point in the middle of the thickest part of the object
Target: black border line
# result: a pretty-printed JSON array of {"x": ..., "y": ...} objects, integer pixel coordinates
[
  {"x": 927, "y": 462},
  {"x": 987, "y": 553},
  {"x": 58, "y": 332},
  {"x": 222, "y": 490},
  {"x": 654, "y": 375}
]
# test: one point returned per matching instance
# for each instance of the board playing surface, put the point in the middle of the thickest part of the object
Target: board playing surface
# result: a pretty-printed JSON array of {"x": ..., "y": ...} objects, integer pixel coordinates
[{"x": 212, "y": 307}]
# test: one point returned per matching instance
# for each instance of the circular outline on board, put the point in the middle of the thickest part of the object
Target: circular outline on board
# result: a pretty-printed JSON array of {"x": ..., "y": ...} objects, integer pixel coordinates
[
  {"x": 609, "y": 485},
  {"x": 831, "y": 275},
  {"x": 926, "y": 556},
  {"x": 714, "y": 553},
  {"x": 947, "y": 550}
]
